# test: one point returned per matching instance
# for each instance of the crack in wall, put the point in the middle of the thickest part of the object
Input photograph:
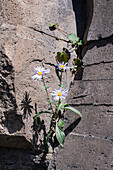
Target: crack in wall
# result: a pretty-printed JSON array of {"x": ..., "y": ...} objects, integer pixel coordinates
[
  {"x": 39, "y": 60},
  {"x": 102, "y": 62},
  {"x": 42, "y": 32},
  {"x": 90, "y": 104},
  {"x": 90, "y": 136},
  {"x": 81, "y": 96},
  {"x": 101, "y": 42},
  {"x": 98, "y": 80},
  {"x": 43, "y": 62},
  {"x": 53, "y": 65}
]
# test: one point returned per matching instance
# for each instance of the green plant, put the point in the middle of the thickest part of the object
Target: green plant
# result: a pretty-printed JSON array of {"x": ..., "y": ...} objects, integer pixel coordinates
[{"x": 57, "y": 107}]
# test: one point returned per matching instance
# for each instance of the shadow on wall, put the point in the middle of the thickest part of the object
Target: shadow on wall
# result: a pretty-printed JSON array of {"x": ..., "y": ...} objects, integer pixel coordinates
[
  {"x": 11, "y": 120},
  {"x": 83, "y": 13},
  {"x": 26, "y": 105},
  {"x": 38, "y": 125},
  {"x": 101, "y": 42}
]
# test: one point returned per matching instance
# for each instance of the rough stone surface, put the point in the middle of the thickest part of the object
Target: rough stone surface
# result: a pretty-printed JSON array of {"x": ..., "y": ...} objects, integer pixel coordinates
[
  {"x": 89, "y": 141},
  {"x": 26, "y": 42},
  {"x": 102, "y": 22},
  {"x": 85, "y": 152}
]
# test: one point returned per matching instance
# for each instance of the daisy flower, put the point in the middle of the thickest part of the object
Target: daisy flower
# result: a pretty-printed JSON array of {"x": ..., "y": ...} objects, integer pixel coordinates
[
  {"x": 63, "y": 66},
  {"x": 39, "y": 73},
  {"x": 59, "y": 94}
]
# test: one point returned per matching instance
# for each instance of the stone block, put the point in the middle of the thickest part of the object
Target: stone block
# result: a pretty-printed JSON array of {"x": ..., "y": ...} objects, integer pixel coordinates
[
  {"x": 98, "y": 60},
  {"x": 86, "y": 153},
  {"x": 102, "y": 71},
  {"x": 27, "y": 42},
  {"x": 98, "y": 52},
  {"x": 96, "y": 121},
  {"x": 24, "y": 48},
  {"x": 102, "y": 22},
  {"x": 91, "y": 92}
]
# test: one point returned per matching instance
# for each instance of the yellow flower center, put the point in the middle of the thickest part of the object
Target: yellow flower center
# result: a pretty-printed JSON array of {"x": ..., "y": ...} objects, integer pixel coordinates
[
  {"x": 62, "y": 66},
  {"x": 40, "y": 73},
  {"x": 59, "y": 94}
]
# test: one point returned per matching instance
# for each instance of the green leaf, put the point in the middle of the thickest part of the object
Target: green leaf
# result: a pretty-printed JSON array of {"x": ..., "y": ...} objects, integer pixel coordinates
[
  {"x": 77, "y": 61},
  {"x": 35, "y": 117},
  {"x": 72, "y": 109},
  {"x": 62, "y": 85},
  {"x": 60, "y": 135},
  {"x": 62, "y": 57},
  {"x": 66, "y": 105},
  {"x": 47, "y": 140},
  {"x": 62, "y": 105},
  {"x": 61, "y": 123},
  {"x": 35, "y": 122},
  {"x": 72, "y": 37},
  {"x": 52, "y": 26},
  {"x": 45, "y": 88},
  {"x": 74, "y": 42},
  {"x": 51, "y": 101},
  {"x": 77, "y": 39},
  {"x": 80, "y": 42}
]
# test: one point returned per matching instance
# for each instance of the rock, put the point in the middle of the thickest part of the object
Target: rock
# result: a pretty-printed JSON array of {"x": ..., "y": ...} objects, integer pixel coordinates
[
  {"x": 91, "y": 92},
  {"x": 92, "y": 135},
  {"x": 96, "y": 122},
  {"x": 98, "y": 72},
  {"x": 27, "y": 42},
  {"x": 89, "y": 141},
  {"x": 101, "y": 23},
  {"x": 80, "y": 151},
  {"x": 98, "y": 52}
]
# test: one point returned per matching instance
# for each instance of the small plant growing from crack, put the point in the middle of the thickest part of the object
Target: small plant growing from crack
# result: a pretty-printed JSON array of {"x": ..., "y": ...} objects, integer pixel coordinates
[{"x": 57, "y": 107}]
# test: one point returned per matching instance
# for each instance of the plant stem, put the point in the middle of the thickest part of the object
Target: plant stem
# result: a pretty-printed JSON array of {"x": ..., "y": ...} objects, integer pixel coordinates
[
  {"x": 61, "y": 77},
  {"x": 60, "y": 83},
  {"x": 47, "y": 94},
  {"x": 65, "y": 33}
]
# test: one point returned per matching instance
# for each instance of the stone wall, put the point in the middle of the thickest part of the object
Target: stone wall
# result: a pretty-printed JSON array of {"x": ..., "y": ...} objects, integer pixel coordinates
[
  {"x": 89, "y": 144},
  {"x": 25, "y": 43}
]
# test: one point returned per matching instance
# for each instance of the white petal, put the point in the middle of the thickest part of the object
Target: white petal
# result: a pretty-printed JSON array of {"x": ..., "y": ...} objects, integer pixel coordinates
[
  {"x": 53, "y": 94},
  {"x": 36, "y": 76},
  {"x": 56, "y": 98},
  {"x": 47, "y": 71},
  {"x": 63, "y": 97}
]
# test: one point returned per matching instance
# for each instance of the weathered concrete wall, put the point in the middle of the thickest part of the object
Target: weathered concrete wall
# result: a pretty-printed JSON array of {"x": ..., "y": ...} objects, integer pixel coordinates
[{"x": 89, "y": 141}]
